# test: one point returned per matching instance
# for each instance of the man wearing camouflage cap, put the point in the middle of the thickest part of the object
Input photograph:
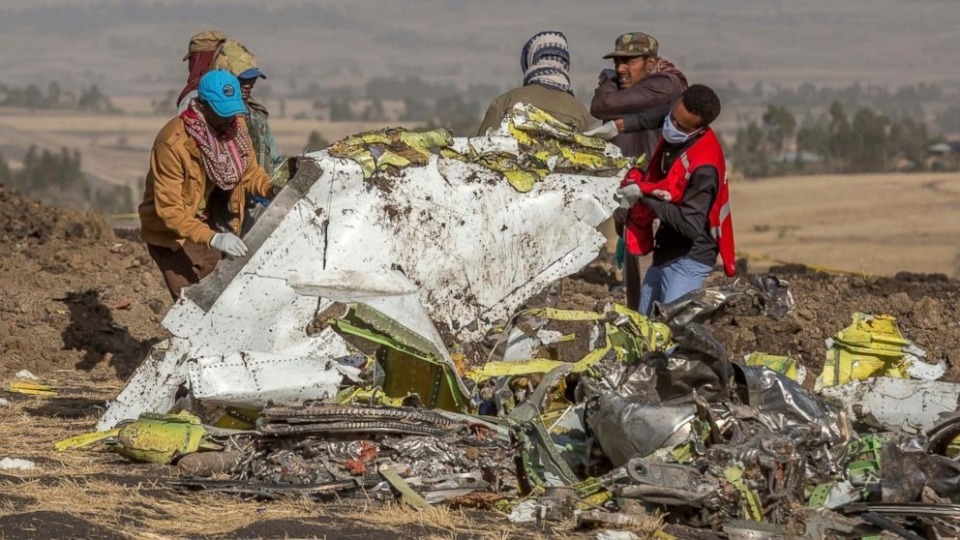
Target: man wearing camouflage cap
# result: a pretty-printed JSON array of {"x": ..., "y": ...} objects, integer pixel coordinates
[{"x": 639, "y": 81}]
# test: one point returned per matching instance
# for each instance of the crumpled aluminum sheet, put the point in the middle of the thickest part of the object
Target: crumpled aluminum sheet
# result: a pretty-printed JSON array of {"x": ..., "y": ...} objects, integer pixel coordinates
[
  {"x": 785, "y": 407},
  {"x": 770, "y": 294},
  {"x": 626, "y": 430},
  {"x": 904, "y": 405},
  {"x": 907, "y": 468}
]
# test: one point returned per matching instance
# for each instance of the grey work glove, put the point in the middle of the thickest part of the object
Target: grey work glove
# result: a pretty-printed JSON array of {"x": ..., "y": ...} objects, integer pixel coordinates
[
  {"x": 228, "y": 244},
  {"x": 605, "y": 131},
  {"x": 628, "y": 195}
]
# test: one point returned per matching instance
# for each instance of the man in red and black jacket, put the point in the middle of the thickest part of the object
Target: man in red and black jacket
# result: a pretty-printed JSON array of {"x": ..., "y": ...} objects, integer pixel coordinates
[{"x": 694, "y": 230}]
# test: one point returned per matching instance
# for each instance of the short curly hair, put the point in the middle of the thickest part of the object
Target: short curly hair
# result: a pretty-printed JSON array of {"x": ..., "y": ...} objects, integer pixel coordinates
[{"x": 702, "y": 101}]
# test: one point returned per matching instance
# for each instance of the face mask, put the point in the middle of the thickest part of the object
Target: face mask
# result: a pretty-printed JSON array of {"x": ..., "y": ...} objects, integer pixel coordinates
[{"x": 673, "y": 135}]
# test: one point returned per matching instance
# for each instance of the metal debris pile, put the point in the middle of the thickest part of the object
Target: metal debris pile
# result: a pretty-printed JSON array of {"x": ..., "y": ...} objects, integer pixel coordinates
[{"x": 359, "y": 352}]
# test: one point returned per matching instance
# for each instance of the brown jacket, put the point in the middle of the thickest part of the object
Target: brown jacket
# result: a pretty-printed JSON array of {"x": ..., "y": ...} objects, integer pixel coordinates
[
  {"x": 561, "y": 105},
  {"x": 176, "y": 190},
  {"x": 654, "y": 91}
]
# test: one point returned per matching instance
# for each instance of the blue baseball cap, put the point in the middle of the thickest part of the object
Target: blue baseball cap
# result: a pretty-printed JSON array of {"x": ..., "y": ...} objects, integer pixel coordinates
[
  {"x": 252, "y": 73},
  {"x": 221, "y": 90}
]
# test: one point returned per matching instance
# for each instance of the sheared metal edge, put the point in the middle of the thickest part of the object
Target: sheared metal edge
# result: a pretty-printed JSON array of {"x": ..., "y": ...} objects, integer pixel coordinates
[
  {"x": 152, "y": 387},
  {"x": 902, "y": 405},
  {"x": 251, "y": 379},
  {"x": 205, "y": 293}
]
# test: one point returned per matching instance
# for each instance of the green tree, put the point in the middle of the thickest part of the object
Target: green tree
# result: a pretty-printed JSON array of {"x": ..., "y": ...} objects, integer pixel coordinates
[
  {"x": 750, "y": 151},
  {"x": 909, "y": 140},
  {"x": 780, "y": 125},
  {"x": 33, "y": 98},
  {"x": 813, "y": 138},
  {"x": 53, "y": 95},
  {"x": 842, "y": 142},
  {"x": 871, "y": 146},
  {"x": 340, "y": 110},
  {"x": 92, "y": 99}
]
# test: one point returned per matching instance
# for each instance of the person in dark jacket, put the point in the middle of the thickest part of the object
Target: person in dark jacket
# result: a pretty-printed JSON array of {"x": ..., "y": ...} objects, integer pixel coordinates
[
  {"x": 640, "y": 81},
  {"x": 694, "y": 231},
  {"x": 545, "y": 63}
]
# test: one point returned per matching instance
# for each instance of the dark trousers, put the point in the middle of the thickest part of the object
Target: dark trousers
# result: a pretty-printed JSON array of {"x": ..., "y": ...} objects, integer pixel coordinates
[
  {"x": 185, "y": 266},
  {"x": 634, "y": 267}
]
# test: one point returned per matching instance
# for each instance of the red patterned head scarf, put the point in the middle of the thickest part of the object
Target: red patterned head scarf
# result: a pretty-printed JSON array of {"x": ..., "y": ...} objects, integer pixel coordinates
[{"x": 225, "y": 156}]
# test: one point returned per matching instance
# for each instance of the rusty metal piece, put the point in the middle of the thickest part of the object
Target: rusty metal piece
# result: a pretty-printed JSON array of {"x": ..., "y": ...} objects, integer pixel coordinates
[{"x": 206, "y": 464}]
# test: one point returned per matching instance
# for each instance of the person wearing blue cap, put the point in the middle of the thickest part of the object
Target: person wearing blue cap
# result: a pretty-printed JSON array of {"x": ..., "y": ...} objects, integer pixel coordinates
[
  {"x": 237, "y": 59},
  {"x": 202, "y": 168}
]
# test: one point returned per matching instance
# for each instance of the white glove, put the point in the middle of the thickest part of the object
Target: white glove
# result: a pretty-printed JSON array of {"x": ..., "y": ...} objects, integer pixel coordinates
[
  {"x": 605, "y": 131},
  {"x": 229, "y": 244},
  {"x": 628, "y": 195}
]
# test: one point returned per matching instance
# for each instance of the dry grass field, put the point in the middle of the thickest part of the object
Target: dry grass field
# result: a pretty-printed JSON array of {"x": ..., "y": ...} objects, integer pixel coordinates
[
  {"x": 97, "y": 494},
  {"x": 877, "y": 224},
  {"x": 116, "y": 148}
]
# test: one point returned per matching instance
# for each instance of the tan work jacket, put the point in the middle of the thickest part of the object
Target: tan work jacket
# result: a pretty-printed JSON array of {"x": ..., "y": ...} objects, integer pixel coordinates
[{"x": 176, "y": 190}]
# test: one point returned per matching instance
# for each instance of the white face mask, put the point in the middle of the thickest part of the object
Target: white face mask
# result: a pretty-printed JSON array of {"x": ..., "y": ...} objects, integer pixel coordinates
[{"x": 673, "y": 135}]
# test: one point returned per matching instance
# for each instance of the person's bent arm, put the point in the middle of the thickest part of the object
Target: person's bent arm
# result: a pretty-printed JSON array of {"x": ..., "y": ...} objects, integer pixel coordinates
[
  {"x": 256, "y": 181},
  {"x": 652, "y": 119},
  {"x": 610, "y": 103},
  {"x": 167, "y": 171},
  {"x": 689, "y": 217}
]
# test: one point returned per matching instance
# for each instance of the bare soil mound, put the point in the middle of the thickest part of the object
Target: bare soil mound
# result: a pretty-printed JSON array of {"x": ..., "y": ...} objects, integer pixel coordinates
[
  {"x": 927, "y": 307},
  {"x": 75, "y": 296}
]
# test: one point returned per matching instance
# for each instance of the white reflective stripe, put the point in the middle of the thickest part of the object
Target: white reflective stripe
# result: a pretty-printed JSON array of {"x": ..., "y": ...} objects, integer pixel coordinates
[
  {"x": 724, "y": 212},
  {"x": 715, "y": 232},
  {"x": 686, "y": 165}
]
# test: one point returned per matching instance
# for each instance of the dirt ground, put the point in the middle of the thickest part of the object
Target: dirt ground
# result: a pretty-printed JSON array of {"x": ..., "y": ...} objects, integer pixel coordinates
[
  {"x": 927, "y": 307},
  {"x": 81, "y": 304}
]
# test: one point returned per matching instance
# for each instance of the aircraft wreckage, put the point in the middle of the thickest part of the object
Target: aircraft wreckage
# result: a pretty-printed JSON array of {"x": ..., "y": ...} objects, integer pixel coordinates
[{"x": 380, "y": 339}]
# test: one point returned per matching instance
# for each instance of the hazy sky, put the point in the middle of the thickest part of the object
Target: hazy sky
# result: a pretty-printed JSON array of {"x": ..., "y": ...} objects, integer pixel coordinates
[{"x": 135, "y": 46}]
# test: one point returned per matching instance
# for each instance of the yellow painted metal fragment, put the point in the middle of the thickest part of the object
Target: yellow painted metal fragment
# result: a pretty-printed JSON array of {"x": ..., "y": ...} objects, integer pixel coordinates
[{"x": 30, "y": 388}]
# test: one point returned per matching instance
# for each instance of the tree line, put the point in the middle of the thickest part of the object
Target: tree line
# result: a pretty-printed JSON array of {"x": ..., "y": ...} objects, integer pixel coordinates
[
  {"x": 33, "y": 97},
  {"x": 866, "y": 141},
  {"x": 56, "y": 177}
]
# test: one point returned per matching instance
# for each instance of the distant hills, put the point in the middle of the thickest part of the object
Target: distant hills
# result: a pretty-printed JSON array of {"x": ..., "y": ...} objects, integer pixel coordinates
[{"x": 135, "y": 46}]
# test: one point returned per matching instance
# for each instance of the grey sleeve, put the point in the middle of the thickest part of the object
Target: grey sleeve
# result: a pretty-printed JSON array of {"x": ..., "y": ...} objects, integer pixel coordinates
[
  {"x": 610, "y": 103},
  {"x": 652, "y": 119}
]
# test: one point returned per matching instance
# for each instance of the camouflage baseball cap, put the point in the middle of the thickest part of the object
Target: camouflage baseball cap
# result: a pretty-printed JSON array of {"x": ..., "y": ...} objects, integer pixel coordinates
[
  {"x": 635, "y": 44},
  {"x": 205, "y": 41},
  {"x": 236, "y": 59}
]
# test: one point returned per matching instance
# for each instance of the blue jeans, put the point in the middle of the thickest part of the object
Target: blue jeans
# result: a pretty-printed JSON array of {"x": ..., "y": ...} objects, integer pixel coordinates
[{"x": 666, "y": 283}]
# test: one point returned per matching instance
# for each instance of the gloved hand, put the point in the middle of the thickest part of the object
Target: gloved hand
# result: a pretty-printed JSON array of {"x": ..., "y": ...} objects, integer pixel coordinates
[
  {"x": 628, "y": 195},
  {"x": 605, "y": 131},
  {"x": 229, "y": 244}
]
